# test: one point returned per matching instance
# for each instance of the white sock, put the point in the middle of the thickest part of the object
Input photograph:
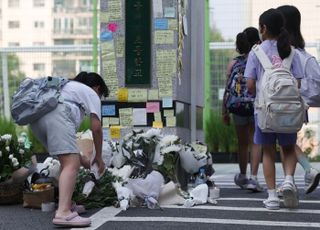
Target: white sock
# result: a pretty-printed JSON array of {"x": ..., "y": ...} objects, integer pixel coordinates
[
  {"x": 254, "y": 177},
  {"x": 289, "y": 178},
  {"x": 272, "y": 193}
]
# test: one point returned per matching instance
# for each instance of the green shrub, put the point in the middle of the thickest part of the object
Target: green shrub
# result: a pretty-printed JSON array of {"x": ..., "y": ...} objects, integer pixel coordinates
[
  {"x": 7, "y": 126},
  {"x": 220, "y": 137}
]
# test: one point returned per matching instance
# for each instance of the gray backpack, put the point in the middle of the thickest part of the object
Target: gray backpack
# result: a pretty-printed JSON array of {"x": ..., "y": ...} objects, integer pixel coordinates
[
  {"x": 278, "y": 105},
  {"x": 35, "y": 98}
]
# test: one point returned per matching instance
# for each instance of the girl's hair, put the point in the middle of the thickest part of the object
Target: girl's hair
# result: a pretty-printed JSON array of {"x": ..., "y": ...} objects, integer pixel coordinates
[
  {"x": 274, "y": 22},
  {"x": 292, "y": 23},
  {"x": 93, "y": 79},
  {"x": 246, "y": 39}
]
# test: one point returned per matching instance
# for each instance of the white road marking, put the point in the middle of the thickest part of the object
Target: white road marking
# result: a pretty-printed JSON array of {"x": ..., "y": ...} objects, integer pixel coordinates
[
  {"x": 247, "y": 209},
  {"x": 99, "y": 218},
  {"x": 261, "y": 199},
  {"x": 217, "y": 221}
]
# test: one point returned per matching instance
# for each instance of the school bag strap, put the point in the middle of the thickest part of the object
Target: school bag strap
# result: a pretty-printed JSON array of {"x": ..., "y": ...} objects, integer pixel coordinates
[{"x": 265, "y": 61}]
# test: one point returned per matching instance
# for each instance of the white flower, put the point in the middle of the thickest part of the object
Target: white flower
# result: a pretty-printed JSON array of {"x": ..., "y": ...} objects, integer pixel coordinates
[
  {"x": 0, "y": 153},
  {"x": 14, "y": 160},
  {"x": 21, "y": 151},
  {"x": 169, "y": 140},
  {"x": 171, "y": 148},
  {"x": 16, "y": 164},
  {"x": 10, "y": 156},
  {"x": 8, "y": 148},
  {"x": 6, "y": 137},
  {"x": 21, "y": 140}
]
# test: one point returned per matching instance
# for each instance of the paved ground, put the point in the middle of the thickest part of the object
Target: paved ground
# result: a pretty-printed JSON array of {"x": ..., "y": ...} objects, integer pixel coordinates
[{"x": 236, "y": 209}]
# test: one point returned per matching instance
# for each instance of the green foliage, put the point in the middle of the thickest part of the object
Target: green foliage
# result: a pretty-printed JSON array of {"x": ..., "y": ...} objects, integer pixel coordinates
[
  {"x": 85, "y": 125},
  {"x": 37, "y": 147},
  {"x": 220, "y": 137},
  {"x": 7, "y": 126},
  {"x": 102, "y": 195}
]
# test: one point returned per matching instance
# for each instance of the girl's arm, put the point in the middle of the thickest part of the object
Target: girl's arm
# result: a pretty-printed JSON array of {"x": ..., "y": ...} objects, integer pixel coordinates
[{"x": 251, "y": 85}]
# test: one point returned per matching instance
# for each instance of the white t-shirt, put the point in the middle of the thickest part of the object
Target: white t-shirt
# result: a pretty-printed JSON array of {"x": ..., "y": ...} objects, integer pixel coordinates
[{"x": 84, "y": 96}]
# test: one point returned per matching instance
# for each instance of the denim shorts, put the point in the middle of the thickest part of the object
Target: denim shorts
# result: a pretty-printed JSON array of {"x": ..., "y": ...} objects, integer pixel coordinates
[
  {"x": 241, "y": 120},
  {"x": 57, "y": 131},
  {"x": 284, "y": 139}
]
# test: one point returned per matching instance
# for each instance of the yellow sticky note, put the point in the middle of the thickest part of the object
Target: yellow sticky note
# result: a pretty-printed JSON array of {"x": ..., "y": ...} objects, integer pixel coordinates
[
  {"x": 157, "y": 124},
  {"x": 123, "y": 94},
  {"x": 153, "y": 94},
  {"x": 115, "y": 132}
]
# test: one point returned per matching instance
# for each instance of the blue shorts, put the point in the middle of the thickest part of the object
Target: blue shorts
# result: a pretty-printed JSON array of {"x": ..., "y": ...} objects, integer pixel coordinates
[
  {"x": 57, "y": 131},
  {"x": 284, "y": 139}
]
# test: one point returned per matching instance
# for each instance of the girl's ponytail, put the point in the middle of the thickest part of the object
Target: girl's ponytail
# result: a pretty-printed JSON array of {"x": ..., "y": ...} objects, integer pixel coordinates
[
  {"x": 283, "y": 43},
  {"x": 242, "y": 44}
]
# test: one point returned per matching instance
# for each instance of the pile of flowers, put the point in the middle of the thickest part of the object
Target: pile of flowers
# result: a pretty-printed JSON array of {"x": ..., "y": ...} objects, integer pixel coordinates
[{"x": 15, "y": 153}]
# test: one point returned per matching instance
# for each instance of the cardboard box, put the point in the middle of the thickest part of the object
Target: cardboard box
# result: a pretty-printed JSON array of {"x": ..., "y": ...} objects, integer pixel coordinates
[{"x": 35, "y": 199}]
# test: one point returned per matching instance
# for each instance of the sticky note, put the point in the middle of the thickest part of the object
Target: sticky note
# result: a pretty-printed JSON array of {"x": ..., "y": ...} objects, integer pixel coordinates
[
  {"x": 108, "y": 110},
  {"x": 153, "y": 107},
  {"x": 157, "y": 124},
  {"x": 115, "y": 132},
  {"x": 123, "y": 94},
  {"x": 167, "y": 102}
]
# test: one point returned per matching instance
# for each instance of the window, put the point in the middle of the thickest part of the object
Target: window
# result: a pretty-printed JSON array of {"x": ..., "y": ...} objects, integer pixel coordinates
[
  {"x": 13, "y": 44},
  {"x": 38, "y": 43},
  {"x": 13, "y": 24},
  {"x": 38, "y": 3},
  {"x": 38, "y": 66},
  {"x": 13, "y": 3},
  {"x": 38, "y": 24}
]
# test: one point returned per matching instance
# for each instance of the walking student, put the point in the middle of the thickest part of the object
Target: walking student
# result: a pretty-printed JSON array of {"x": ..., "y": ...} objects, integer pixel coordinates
[
  {"x": 239, "y": 102},
  {"x": 292, "y": 18},
  {"x": 276, "y": 47},
  {"x": 57, "y": 132}
]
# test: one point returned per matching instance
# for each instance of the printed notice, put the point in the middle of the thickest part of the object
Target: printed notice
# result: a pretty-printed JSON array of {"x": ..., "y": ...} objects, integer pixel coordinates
[
  {"x": 168, "y": 113},
  {"x": 105, "y": 122},
  {"x": 137, "y": 95},
  {"x": 114, "y": 121},
  {"x": 167, "y": 102},
  {"x": 139, "y": 116},
  {"x": 169, "y": 12},
  {"x": 153, "y": 94},
  {"x": 157, "y": 116},
  {"x": 165, "y": 87},
  {"x": 163, "y": 37},
  {"x": 161, "y": 24},
  {"x": 125, "y": 117},
  {"x": 157, "y": 8},
  {"x": 171, "y": 121},
  {"x": 104, "y": 17},
  {"x": 153, "y": 107},
  {"x": 114, "y": 9},
  {"x": 120, "y": 47},
  {"x": 108, "y": 110},
  {"x": 166, "y": 63}
]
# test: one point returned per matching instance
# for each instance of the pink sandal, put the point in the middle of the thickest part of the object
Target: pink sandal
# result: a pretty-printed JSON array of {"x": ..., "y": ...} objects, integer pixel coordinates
[{"x": 73, "y": 220}]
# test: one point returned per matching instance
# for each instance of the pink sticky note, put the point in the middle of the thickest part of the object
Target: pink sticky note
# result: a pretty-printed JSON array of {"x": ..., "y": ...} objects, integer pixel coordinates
[
  {"x": 153, "y": 107},
  {"x": 112, "y": 27}
]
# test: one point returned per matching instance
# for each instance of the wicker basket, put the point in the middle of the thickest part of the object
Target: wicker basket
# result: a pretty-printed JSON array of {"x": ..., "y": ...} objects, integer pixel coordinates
[{"x": 10, "y": 193}]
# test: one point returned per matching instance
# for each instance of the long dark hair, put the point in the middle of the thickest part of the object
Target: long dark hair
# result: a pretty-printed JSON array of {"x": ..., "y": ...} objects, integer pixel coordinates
[
  {"x": 292, "y": 24},
  {"x": 246, "y": 39},
  {"x": 274, "y": 22},
  {"x": 92, "y": 79}
]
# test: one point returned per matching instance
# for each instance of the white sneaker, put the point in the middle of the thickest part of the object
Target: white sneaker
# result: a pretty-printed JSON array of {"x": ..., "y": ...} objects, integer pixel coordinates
[
  {"x": 254, "y": 185},
  {"x": 311, "y": 179},
  {"x": 241, "y": 181},
  {"x": 280, "y": 190},
  {"x": 290, "y": 195},
  {"x": 272, "y": 203}
]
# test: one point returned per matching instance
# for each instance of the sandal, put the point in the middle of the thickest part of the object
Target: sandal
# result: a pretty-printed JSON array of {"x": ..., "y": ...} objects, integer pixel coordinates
[
  {"x": 272, "y": 203},
  {"x": 73, "y": 220}
]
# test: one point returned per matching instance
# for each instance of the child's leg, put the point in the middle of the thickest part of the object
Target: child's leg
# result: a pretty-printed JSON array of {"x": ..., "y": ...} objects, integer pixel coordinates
[{"x": 268, "y": 165}]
